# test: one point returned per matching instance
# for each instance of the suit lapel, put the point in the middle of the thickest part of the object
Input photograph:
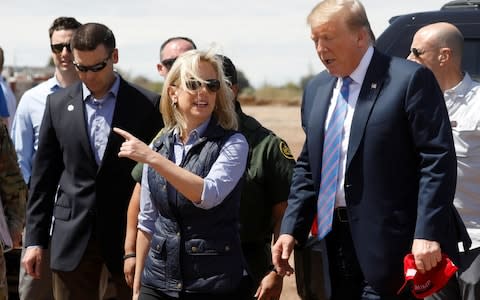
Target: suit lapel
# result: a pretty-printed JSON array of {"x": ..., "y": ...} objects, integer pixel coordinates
[
  {"x": 76, "y": 110},
  {"x": 120, "y": 116},
  {"x": 371, "y": 87},
  {"x": 316, "y": 124}
]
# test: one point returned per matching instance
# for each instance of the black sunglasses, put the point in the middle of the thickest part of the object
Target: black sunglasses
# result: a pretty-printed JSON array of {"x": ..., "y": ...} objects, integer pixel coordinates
[
  {"x": 417, "y": 52},
  {"x": 95, "y": 68},
  {"x": 58, "y": 48},
  {"x": 213, "y": 85},
  {"x": 168, "y": 63}
]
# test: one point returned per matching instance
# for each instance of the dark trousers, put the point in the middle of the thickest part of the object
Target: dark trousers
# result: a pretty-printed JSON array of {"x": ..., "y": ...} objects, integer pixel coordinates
[
  {"x": 89, "y": 279},
  {"x": 31, "y": 288},
  {"x": 241, "y": 293},
  {"x": 346, "y": 276}
]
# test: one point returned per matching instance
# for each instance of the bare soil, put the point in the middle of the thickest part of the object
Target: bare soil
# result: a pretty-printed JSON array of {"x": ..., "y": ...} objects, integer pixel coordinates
[{"x": 285, "y": 122}]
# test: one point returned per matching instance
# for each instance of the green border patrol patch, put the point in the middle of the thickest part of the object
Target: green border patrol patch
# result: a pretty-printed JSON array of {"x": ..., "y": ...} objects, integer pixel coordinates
[{"x": 285, "y": 150}]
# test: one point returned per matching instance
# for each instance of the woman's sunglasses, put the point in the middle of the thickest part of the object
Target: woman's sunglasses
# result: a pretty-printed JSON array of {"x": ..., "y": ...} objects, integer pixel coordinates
[{"x": 213, "y": 85}]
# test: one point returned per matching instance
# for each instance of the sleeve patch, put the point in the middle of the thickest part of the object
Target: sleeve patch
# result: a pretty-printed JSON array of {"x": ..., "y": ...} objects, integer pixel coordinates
[{"x": 285, "y": 150}]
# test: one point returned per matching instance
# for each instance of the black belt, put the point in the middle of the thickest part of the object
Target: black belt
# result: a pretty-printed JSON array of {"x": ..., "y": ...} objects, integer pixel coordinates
[{"x": 340, "y": 214}]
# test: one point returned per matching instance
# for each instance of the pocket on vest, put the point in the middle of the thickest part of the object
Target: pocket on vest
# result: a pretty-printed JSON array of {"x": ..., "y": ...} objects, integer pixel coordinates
[{"x": 207, "y": 259}]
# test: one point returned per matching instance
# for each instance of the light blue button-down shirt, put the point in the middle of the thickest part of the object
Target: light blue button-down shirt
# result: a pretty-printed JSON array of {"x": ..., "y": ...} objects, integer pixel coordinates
[
  {"x": 219, "y": 182},
  {"x": 11, "y": 101},
  {"x": 27, "y": 121},
  {"x": 99, "y": 114}
]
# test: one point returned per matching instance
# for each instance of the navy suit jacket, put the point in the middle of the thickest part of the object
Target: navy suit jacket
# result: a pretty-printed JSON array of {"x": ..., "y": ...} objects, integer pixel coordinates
[
  {"x": 400, "y": 171},
  {"x": 91, "y": 200}
]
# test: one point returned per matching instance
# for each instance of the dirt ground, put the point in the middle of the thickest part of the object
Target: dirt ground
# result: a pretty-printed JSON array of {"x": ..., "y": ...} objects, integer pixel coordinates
[{"x": 285, "y": 122}]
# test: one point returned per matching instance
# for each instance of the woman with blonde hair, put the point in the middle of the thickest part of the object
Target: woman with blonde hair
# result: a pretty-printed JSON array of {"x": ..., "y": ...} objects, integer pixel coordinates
[{"x": 188, "y": 244}]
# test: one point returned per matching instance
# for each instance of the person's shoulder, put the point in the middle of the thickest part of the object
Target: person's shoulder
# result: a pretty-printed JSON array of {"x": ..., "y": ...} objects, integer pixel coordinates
[
  {"x": 320, "y": 79},
  {"x": 138, "y": 89},
  {"x": 400, "y": 70},
  {"x": 394, "y": 62},
  {"x": 40, "y": 90},
  {"x": 406, "y": 64},
  {"x": 67, "y": 93},
  {"x": 249, "y": 123},
  {"x": 259, "y": 136},
  {"x": 275, "y": 144}
]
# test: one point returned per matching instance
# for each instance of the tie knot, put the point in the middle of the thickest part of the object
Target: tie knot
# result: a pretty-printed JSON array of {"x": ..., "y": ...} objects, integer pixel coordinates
[{"x": 346, "y": 80}]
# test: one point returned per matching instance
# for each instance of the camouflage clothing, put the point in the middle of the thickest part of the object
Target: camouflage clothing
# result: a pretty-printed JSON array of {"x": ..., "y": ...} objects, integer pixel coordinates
[{"x": 13, "y": 196}]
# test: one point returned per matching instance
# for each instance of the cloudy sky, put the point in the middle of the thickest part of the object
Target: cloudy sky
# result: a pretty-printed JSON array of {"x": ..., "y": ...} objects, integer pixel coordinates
[{"x": 267, "y": 39}]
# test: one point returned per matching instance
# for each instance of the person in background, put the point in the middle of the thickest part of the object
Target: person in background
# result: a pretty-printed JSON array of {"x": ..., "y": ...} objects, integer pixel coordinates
[
  {"x": 188, "y": 221},
  {"x": 27, "y": 122},
  {"x": 77, "y": 175},
  {"x": 4, "y": 114},
  {"x": 378, "y": 164},
  {"x": 264, "y": 195},
  {"x": 11, "y": 100},
  {"x": 439, "y": 47},
  {"x": 26, "y": 129},
  {"x": 169, "y": 51},
  {"x": 13, "y": 191}
]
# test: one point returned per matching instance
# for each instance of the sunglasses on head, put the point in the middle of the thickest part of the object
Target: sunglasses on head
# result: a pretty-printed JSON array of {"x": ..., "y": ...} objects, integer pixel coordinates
[
  {"x": 417, "y": 52},
  {"x": 168, "y": 63},
  {"x": 213, "y": 85},
  {"x": 95, "y": 68},
  {"x": 58, "y": 48}
]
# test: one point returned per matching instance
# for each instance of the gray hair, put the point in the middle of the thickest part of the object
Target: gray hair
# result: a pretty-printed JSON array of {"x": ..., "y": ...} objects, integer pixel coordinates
[{"x": 352, "y": 11}]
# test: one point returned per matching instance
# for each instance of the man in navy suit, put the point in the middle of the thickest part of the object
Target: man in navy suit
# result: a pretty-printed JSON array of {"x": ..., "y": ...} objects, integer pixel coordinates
[
  {"x": 77, "y": 174},
  {"x": 396, "y": 164}
]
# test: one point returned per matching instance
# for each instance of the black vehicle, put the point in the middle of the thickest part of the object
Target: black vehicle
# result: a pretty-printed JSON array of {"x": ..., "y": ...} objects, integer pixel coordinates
[
  {"x": 465, "y": 15},
  {"x": 396, "y": 41}
]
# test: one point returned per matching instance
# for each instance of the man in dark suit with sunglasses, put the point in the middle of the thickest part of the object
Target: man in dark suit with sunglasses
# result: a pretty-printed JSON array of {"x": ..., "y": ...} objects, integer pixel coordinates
[
  {"x": 77, "y": 175},
  {"x": 377, "y": 166}
]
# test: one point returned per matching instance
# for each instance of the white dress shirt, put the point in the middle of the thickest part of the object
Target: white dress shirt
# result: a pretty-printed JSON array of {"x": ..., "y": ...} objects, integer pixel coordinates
[
  {"x": 354, "y": 90},
  {"x": 463, "y": 104}
]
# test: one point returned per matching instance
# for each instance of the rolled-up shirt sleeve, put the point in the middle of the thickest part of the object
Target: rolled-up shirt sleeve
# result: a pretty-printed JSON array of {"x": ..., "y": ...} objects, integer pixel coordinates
[
  {"x": 148, "y": 214},
  {"x": 225, "y": 172},
  {"x": 222, "y": 178}
]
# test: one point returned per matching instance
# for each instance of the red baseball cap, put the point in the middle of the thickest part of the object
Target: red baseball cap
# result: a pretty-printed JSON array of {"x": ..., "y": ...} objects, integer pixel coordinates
[{"x": 424, "y": 285}]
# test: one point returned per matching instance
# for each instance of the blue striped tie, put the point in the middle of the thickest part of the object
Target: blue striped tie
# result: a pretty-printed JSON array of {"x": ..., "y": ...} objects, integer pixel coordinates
[{"x": 331, "y": 161}]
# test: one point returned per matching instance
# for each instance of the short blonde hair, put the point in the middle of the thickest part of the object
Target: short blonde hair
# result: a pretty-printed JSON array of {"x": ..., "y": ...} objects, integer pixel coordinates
[
  {"x": 185, "y": 68},
  {"x": 352, "y": 11}
]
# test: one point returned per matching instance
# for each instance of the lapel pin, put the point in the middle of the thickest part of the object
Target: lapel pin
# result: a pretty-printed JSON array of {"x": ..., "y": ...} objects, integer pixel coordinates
[
  {"x": 70, "y": 107},
  {"x": 373, "y": 86}
]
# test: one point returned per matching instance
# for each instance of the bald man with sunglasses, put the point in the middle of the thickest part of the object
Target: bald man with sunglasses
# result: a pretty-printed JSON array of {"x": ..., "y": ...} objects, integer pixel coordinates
[{"x": 439, "y": 47}]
